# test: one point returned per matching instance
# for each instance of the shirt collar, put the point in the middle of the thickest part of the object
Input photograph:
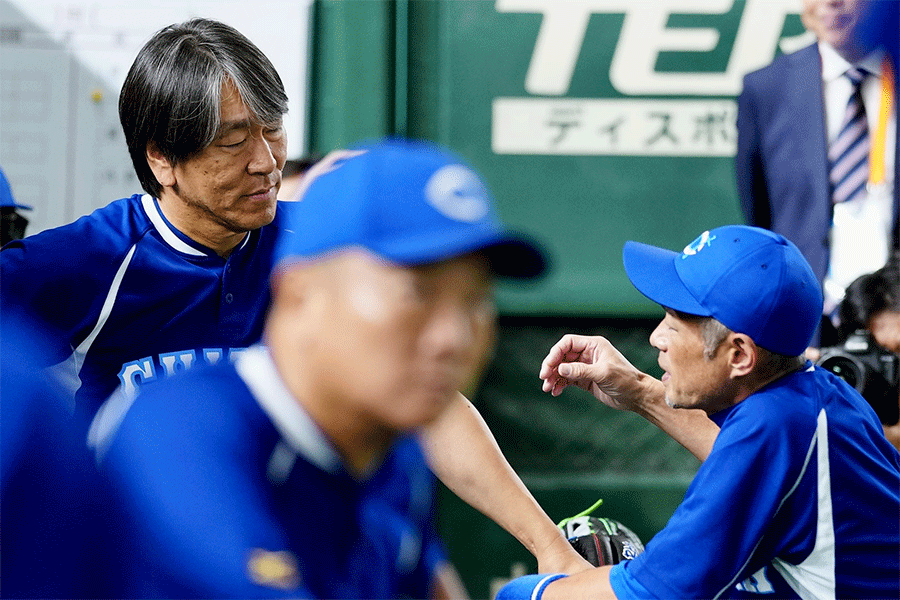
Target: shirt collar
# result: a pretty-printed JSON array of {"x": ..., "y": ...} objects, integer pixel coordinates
[
  {"x": 256, "y": 368},
  {"x": 834, "y": 65},
  {"x": 172, "y": 236}
]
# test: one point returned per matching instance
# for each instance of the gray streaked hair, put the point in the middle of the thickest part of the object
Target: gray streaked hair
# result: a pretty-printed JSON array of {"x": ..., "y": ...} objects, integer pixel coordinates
[
  {"x": 172, "y": 94},
  {"x": 770, "y": 363},
  {"x": 714, "y": 333}
]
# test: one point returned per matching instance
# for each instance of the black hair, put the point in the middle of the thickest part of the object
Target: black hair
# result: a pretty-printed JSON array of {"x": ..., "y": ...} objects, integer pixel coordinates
[{"x": 870, "y": 294}]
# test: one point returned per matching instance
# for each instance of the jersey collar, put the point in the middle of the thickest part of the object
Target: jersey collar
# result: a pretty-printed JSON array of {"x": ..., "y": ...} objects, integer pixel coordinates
[
  {"x": 170, "y": 234},
  {"x": 296, "y": 427}
]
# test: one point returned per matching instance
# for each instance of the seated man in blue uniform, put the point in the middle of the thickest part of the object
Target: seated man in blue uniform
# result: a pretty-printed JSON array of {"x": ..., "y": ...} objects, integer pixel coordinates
[
  {"x": 295, "y": 470},
  {"x": 799, "y": 490}
]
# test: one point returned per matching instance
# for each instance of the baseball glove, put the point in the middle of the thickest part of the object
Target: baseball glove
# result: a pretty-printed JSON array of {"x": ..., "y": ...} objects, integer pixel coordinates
[{"x": 602, "y": 541}]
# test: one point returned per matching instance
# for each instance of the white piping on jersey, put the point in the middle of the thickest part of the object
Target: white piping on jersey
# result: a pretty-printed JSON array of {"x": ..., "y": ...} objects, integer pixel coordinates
[
  {"x": 244, "y": 243},
  {"x": 71, "y": 378},
  {"x": 281, "y": 462},
  {"x": 814, "y": 578},
  {"x": 164, "y": 230},
  {"x": 809, "y": 451},
  {"x": 108, "y": 303},
  {"x": 169, "y": 236},
  {"x": 256, "y": 368}
]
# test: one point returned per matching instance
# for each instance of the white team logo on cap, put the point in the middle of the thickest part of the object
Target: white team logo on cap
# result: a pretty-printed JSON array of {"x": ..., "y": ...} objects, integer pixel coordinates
[
  {"x": 457, "y": 193},
  {"x": 698, "y": 244}
]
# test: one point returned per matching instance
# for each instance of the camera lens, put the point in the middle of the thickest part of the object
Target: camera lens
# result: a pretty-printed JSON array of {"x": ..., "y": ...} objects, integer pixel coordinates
[{"x": 847, "y": 369}]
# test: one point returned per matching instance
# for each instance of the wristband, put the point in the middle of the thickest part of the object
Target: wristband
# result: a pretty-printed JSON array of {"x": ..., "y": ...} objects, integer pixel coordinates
[{"x": 529, "y": 587}]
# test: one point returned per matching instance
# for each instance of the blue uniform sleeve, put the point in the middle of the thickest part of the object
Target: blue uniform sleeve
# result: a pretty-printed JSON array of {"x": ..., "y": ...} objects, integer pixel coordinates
[
  {"x": 715, "y": 539},
  {"x": 625, "y": 586}
]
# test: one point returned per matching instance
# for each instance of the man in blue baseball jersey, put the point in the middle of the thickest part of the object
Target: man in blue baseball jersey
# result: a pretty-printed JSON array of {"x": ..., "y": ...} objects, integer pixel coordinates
[
  {"x": 157, "y": 283},
  {"x": 154, "y": 283},
  {"x": 799, "y": 491},
  {"x": 295, "y": 471}
]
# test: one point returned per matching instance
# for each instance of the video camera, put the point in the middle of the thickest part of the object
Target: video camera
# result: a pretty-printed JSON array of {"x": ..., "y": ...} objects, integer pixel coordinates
[{"x": 870, "y": 369}]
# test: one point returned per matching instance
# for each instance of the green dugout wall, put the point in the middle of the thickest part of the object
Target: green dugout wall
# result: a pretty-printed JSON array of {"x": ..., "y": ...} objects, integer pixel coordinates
[{"x": 594, "y": 122}]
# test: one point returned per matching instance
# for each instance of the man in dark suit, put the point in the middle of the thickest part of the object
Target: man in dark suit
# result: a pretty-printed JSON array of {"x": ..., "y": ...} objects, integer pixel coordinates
[{"x": 789, "y": 114}]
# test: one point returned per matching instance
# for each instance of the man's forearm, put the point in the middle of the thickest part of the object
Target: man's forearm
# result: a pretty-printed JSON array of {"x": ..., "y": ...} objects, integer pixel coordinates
[{"x": 464, "y": 455}]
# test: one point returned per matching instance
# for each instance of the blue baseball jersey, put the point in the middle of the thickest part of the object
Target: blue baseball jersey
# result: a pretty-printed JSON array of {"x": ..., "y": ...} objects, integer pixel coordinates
[
  {"x": 799, "y": 498},
  {"x": 131, "y": 299},
  {"x": 229, "y": 489}
]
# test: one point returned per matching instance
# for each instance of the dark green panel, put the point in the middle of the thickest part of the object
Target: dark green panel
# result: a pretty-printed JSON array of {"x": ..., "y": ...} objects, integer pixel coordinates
[
  {"x": 464, "y": 54},
  {"x": 352, "y": 66},
  {"x": 433, "y": 69}
]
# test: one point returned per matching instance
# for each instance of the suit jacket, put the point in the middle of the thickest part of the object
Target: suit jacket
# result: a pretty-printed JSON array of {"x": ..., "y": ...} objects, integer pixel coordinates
[{"x": 781, "y": 164}]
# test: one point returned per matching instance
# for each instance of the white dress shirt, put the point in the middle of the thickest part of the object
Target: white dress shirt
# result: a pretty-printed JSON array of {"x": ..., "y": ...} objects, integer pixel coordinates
[{"x": 861, "y": 228}]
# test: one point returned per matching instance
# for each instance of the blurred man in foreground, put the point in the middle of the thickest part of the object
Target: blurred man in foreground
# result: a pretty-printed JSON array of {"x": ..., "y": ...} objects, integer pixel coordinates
[{"x": 295, "y": 471}]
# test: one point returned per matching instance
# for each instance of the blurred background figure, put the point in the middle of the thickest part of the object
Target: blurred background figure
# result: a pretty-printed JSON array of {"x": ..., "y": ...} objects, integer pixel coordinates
[
  {"x": 816, "y": 158},
  {"x": 13, "y": 222},
  {"x": 869, "y": 352}
]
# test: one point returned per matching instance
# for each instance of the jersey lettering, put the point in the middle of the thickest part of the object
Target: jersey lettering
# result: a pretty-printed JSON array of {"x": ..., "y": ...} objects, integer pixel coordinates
[
  {"x": 212, "y": 355},
  {"x": 138, "y": 372},
  {"x": 175, "y": 362}
]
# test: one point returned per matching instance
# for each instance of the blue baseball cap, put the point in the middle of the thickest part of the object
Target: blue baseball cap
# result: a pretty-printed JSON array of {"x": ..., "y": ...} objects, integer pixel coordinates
[
  {"x": 410, "y": 203},
  {"x": 6, "y": 197},
  {"x": 751, "y": 280}
]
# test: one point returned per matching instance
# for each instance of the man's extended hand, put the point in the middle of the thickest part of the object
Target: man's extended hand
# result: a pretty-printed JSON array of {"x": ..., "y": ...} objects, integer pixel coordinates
[{"x": 593, "y": 364}]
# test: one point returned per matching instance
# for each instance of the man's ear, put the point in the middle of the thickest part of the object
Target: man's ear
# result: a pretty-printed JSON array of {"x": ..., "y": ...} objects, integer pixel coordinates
[
  {"x": 742, "y": 354},
  {"x": 162, "y": 168}
]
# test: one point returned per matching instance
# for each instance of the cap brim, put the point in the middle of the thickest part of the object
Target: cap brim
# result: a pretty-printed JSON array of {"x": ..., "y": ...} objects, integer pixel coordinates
[
  {"x": 517, "y": 258},
  {"x": 652, "y": 271},
  {"x": 16, "y": 205}
]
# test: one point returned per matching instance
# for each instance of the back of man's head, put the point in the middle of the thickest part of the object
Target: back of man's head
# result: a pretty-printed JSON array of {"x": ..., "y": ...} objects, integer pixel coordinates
[{"x": 171, "y": 96}]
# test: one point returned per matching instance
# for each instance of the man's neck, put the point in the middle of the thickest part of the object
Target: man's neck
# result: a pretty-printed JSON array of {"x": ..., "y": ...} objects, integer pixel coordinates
[
  {"x": 201, "y": 225},
  {"x": 359, "y": 440}
]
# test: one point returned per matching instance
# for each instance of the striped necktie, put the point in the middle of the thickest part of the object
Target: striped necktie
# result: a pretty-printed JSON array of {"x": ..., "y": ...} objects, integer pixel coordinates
[{"x": 849, "y": 152}]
